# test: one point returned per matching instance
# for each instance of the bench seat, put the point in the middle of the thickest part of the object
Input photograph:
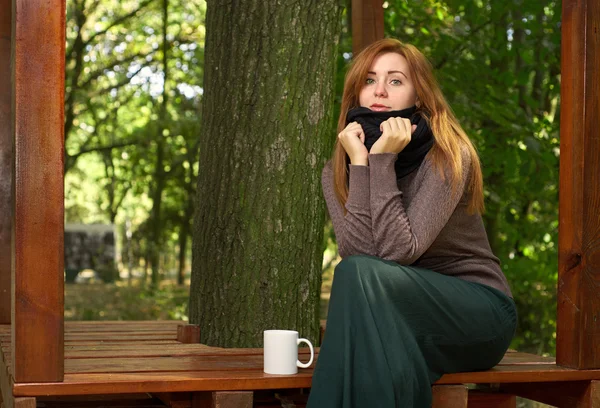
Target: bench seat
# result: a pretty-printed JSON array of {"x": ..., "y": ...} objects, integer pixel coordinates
[{"x": 103, "y": 358}]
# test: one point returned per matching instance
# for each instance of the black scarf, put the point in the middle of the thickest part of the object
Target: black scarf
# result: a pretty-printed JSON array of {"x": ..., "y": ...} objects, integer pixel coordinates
[{"x": 413, "y": 154}]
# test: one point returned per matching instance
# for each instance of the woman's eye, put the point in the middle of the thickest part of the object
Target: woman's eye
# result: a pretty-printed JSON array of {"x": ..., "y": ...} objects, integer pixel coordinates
[
  {"x": 396, "y": 82},
  {"x": 369, "y": 81}
]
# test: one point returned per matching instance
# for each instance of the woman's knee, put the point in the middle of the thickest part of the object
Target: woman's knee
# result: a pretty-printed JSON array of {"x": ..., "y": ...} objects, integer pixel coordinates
[
  {"x": 360, "y": 269},
  {"x": 369, "y": 270},
  {"x": 348, "y": 271}
]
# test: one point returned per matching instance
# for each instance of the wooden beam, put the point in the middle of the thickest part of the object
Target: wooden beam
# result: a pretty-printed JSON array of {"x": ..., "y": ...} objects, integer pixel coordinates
[
  {"x": 6, "y": 162},
  {"x": 577, "y": 394},
  {"x": 38, "y": 72},
  {"x": 367, "y": 23},
  {"x": 578, "y": 320}
]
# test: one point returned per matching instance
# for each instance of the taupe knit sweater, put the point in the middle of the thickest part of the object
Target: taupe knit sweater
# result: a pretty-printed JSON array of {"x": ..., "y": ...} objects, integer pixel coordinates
[{"x": 415, "y": 221}]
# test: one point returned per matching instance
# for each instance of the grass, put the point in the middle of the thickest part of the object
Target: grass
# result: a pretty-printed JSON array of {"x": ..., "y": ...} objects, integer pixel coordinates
[{"x": 118, "y": 301}]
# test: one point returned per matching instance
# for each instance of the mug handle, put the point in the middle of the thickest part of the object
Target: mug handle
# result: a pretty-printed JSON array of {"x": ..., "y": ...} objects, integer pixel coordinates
[{"x": 312, "y": 354}]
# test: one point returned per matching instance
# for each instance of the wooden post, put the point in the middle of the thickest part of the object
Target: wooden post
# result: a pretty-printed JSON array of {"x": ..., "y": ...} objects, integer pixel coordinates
[
  {"x": 6, "y": 162},
  {"x": 38, "y": 72},
  {"x": 367, "y": 23},
  {"x": 188, "y": 333},
  {"x": 578, "y": 320}
]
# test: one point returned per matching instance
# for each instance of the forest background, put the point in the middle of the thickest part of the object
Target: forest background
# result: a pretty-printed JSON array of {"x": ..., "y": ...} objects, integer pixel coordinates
[{"x": 133, "y": 100}]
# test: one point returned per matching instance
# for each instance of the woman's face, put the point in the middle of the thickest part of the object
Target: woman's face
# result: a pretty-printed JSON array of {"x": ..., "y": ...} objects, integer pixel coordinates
[{"x": 388, "y": 85}]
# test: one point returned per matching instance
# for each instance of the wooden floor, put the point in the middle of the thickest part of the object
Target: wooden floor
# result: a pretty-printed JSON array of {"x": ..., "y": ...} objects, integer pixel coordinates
[{"x": 145, "y": 357}]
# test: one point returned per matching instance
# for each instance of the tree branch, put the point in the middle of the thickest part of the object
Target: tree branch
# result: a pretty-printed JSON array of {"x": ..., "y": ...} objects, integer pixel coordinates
[
  {"x": 108, "y": 147},
  {"x": 97, "y": 73},
  {"x": 118, "y": 85},
  {"x": 118, "y": 21}
]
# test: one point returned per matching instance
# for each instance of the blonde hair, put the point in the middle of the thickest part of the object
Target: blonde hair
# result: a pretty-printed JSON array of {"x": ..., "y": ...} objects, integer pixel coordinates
[{"x": 449, "y": 136}]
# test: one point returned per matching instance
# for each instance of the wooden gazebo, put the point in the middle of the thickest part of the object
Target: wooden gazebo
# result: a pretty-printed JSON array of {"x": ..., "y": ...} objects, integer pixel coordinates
[{"x": 44, "y": 359}]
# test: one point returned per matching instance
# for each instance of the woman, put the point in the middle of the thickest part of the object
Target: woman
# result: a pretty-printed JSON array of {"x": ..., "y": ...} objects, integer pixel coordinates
[{"x": 418, "y": 292}]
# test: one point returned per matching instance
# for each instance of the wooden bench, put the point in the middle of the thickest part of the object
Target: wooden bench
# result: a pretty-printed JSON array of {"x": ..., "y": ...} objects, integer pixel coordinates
[{"x": 147, "y": 364}]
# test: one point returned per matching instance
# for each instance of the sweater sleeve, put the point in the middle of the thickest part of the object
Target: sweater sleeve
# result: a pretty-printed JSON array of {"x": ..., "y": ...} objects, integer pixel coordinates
[
  {"x": 352, "y": 231},
  {"x": 403, "y": 234}
]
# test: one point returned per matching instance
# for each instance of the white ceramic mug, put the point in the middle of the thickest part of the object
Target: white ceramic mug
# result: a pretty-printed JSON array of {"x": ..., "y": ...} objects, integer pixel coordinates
[{"x": 281, "y": 352}]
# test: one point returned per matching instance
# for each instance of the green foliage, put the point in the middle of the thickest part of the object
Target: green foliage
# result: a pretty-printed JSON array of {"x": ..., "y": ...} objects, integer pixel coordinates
[{"x": 115, "y": 120}]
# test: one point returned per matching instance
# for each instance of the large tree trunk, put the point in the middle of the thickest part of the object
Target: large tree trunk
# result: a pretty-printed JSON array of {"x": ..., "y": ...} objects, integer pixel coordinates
[{"x": 266, "y": 132}]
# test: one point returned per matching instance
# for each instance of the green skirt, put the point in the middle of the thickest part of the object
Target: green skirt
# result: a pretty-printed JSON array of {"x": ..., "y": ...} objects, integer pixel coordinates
[{"x": 394, "y": 330}]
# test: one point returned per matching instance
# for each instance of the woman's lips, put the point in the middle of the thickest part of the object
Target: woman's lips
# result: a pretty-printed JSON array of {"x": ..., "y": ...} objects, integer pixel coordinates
[{"x": 379, "y": 108}]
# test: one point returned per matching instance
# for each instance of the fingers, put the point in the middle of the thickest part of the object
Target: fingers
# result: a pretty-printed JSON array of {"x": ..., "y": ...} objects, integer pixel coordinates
[
  {"x": 386, "y": 127},
  {"x": 398, "y": 126},
  {"x": 406, "y": 126},
  {"x": 354, "y": 129},
  {"x": 352, "y": 140}
]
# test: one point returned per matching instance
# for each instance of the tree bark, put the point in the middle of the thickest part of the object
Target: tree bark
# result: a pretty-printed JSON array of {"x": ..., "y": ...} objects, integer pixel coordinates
[{"x": 266, "y": 133}]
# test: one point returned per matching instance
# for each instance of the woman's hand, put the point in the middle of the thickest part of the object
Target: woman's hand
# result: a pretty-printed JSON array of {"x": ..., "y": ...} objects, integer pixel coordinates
[
  {"x": 396, "y": 135},
  {"x": 352, "y": 139}
]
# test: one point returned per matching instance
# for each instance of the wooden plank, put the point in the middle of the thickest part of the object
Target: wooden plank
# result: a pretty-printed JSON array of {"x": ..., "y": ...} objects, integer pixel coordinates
[
  {"x": 78, "y": 384},
  {"x": 450, "y": 396},
  {"x": 579, "y": 394},
  {"x": 37, "y": 274},
  {"x": 82, "y": 384},
  {"x": 6, "y": 161},
  {"x": 130, "y": 337},
  {"x": 520, "y": 373},
  {"x": 223, "y": 399},
  {"x": 117, "y": 337},
  {"x": 122, "y": 324},
  {"x": 578, "y": 323},
  {"x": 121, "y": 342},
  {"x": 367, "y": 23},
  {"x": 117, "y": 329},
  {"x": 214, "y": 363},
  {"x": 122, "y": 335},
  {"x": 171, "y": 350}
]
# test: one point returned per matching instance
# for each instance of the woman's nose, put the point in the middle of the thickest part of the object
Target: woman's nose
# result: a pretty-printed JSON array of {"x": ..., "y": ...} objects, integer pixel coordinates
[{"x": 380, "y": 90}]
